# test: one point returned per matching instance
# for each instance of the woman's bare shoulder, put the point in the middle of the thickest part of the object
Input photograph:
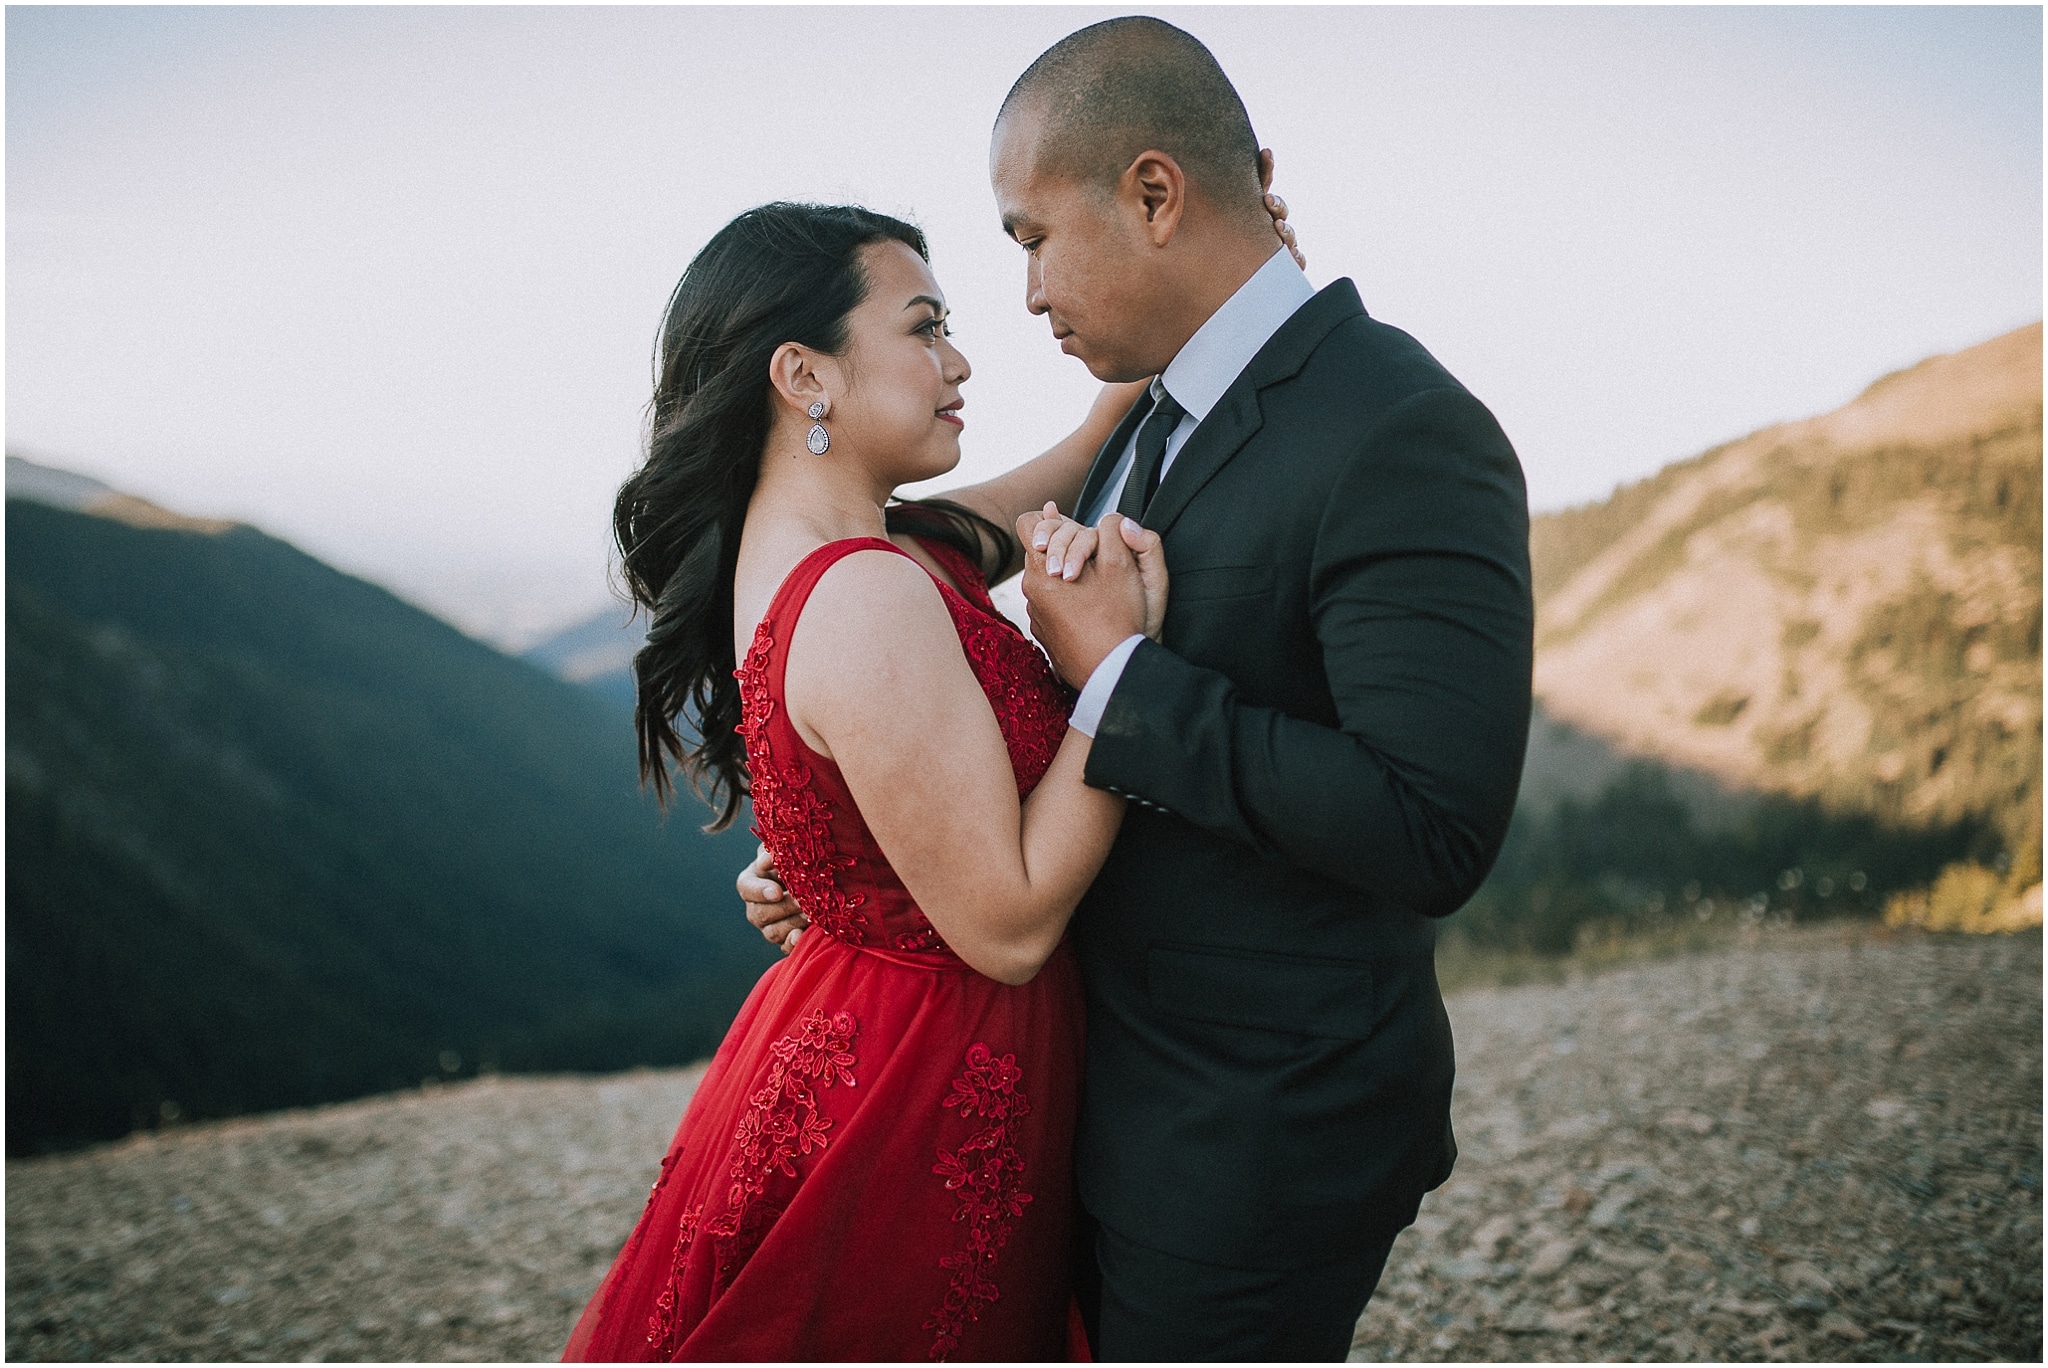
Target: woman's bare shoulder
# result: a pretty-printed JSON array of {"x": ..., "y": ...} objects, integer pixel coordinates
[
  {"x": 873, "y": 606},
  {"x": 874, "y": 646}
]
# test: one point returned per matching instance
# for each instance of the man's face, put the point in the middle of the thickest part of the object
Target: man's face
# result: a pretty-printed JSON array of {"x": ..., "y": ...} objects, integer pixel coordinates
[{"x": 1088, "y": 267}]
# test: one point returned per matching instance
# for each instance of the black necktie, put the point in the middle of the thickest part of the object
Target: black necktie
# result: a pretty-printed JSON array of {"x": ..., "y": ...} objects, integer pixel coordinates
[{"x": 1144, "y": 476}]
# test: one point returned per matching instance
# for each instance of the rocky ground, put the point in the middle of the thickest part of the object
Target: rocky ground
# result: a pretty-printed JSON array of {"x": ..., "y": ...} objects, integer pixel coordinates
[
  {"x": 469, "y": 1222},
  {"x": 1824, "y": 1144}
]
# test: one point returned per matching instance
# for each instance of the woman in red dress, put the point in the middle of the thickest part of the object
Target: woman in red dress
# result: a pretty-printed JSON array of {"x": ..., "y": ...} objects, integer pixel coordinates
[{"x": 876, "y": 1164}]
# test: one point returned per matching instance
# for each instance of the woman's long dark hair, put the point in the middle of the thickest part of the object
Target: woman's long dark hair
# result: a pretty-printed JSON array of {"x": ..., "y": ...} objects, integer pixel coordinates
[{"x": 779, "y": 273}]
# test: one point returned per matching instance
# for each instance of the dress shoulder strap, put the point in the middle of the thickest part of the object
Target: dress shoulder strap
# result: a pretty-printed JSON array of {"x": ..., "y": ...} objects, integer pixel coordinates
[
  {"x": 965, "y": 571},
  {"x": 761, "y": 669},
  {"x": 789, "y": 600}
]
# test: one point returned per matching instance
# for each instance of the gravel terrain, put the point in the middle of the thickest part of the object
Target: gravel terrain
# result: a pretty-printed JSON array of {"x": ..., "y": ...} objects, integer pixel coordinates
[
  {"x": 1824, "y": 1144},
  {"x": 469, "y": 1222}
]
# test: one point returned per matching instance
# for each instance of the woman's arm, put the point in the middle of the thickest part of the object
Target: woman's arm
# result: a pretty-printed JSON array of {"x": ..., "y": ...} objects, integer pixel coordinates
[
  {"x": 1057, "y": 474},
  {"x": 877, "y": 681}
]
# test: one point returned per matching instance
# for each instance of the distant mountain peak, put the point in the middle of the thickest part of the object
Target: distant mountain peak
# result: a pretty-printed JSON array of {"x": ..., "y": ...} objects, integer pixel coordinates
[
  {"x": 83, "y": 494},
  {"x": 595, "y": 646},
  {"x": 1977, "y": 392}
]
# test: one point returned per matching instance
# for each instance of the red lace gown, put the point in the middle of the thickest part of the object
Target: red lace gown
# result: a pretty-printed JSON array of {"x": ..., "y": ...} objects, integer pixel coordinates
[{"x": 877, "y": 1163}]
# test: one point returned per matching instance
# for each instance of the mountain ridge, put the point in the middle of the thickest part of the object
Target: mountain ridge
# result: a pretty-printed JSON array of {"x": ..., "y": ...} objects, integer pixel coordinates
[
  {"x": 1844, "y": 608},
  {"x": 68, "y": 489}
]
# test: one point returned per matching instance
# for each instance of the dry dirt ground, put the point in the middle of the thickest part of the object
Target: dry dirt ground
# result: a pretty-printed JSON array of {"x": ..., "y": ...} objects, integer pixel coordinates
[{"x": 1825, "y": 1144}]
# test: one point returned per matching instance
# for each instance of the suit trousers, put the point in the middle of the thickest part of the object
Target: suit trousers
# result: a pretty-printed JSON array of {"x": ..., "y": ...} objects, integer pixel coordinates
[{"x": 1144, "y": 1305}]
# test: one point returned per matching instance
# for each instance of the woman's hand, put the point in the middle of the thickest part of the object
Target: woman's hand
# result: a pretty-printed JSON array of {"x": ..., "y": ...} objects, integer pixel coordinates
[
  {"x": 1277, "y": 207},
  {"x": 1069, "y": 546}
]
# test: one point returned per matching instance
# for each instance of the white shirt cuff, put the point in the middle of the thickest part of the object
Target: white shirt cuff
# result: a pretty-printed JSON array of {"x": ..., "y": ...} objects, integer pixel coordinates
[{"x": 1095, "y": 694}]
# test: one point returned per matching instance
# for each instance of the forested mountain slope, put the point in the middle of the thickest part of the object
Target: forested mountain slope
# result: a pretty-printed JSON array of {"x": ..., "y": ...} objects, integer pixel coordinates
[
  {"x": 1795, "y": 675},
  {"x": 1846, "y": 608},
  {"x": 276, "y": 837}
]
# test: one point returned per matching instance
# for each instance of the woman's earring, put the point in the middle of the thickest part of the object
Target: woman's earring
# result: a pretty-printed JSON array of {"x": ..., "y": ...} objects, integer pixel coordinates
[{"x": 817, "y": 439}]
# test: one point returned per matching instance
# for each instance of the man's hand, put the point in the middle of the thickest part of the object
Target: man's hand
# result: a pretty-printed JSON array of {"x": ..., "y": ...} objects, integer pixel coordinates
[
  {"x": 1069, "y": 545},
  {"x": 1080, "y": 613},
  {"x": 769, "y": 906}
]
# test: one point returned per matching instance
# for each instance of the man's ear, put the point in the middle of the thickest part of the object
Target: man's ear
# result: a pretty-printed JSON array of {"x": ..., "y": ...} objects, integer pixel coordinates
[
  {"x": 793, "y": 371},
  {"x": 1265, "y": 170},
  {"x": 1155, "y": 185}
]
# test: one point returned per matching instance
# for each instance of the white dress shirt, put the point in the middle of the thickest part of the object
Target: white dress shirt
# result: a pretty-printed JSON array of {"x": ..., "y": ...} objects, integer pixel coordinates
[{"x": 1197, "y": 377}]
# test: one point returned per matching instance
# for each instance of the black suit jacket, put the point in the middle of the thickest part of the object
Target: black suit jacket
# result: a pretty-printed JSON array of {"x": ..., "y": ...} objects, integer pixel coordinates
[{"x": 1322, "y": 756}]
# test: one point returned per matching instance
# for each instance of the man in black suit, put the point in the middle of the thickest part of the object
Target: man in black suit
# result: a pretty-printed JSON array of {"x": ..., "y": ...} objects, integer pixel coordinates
[{"x": 1322, "y": 747}]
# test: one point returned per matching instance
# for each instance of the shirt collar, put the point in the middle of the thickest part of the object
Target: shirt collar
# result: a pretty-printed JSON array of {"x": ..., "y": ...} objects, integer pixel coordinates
[{"x": 1222, "y": 347}]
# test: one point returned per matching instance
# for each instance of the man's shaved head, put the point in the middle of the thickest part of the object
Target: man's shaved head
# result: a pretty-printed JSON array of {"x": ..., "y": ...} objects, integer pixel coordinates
[{"x": 1124, "y": 86}]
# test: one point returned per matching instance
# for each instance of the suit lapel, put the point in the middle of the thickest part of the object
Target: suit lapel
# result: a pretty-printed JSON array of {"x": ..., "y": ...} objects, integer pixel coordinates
[
  {"x": 1209, "y": 448},
  {"x": 1112, "y": 450},
  {"x": 1237, "y": 416}
]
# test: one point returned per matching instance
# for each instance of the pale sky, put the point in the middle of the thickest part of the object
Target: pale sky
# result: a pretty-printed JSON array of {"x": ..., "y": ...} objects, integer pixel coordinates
[{"x": 384, "y": 281}]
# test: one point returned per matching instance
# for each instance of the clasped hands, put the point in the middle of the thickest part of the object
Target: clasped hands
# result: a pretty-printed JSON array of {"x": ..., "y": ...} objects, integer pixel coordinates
[{"x": 1089, "y": 588}]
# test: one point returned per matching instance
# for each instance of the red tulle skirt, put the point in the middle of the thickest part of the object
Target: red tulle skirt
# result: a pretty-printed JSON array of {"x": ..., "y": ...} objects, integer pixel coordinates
[{"x": 877, "y": 1165}]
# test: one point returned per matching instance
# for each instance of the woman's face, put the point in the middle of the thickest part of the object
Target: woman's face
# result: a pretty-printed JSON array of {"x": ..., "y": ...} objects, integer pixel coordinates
[{"x": 900, "y": 376}]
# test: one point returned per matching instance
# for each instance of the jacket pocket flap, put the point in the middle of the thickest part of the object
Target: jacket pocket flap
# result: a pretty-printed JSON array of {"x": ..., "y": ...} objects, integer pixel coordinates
[{"x": 1310, "y": 996}]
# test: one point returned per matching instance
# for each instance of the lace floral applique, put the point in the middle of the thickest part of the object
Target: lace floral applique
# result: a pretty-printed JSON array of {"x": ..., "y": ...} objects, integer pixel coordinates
[
  {"x": 987, "y": 1171},
  {"x": 789, "y": 816},
  {"x": 1030, "y": 703},
  {"x": 783, "y": 1119},
  {"x": 782, "y": 1122},
  {"x": 663, "y": 1327}
]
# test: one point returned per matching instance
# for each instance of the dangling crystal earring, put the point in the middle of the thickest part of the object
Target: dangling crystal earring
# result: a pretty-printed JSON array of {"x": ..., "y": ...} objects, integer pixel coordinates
[{"x": 817, "y": 439}]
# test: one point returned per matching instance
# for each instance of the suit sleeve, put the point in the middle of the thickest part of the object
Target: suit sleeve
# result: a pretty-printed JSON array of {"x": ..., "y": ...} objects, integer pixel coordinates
[{"x": 1421, "y": 603}]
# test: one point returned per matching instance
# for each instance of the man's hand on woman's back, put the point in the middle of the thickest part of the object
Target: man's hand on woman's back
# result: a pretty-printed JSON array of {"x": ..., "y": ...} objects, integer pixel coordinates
[{"x": 769, "y": 906}]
